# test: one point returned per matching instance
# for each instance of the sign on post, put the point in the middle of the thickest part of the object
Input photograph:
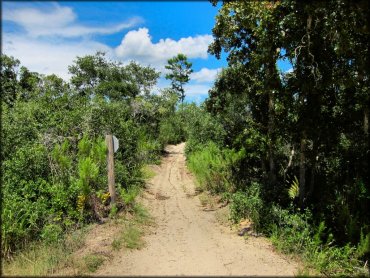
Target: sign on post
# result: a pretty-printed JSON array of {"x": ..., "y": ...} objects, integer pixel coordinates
[{"x": 115, "y": 143}]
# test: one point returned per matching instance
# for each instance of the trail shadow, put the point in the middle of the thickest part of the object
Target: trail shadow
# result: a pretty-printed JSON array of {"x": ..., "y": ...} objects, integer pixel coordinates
[{"x": 166, "y": 153}]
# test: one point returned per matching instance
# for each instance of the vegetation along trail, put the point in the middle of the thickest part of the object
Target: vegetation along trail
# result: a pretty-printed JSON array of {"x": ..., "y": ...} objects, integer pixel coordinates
[{"x": 188, "y": 240}]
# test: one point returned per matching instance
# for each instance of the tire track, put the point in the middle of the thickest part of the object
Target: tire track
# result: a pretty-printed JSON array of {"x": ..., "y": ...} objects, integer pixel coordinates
[{"x": 189, "y": 241}]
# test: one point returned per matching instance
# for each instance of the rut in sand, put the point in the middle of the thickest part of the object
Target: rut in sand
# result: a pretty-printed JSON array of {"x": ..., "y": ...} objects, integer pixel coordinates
[{"x": 188, "y": 240}]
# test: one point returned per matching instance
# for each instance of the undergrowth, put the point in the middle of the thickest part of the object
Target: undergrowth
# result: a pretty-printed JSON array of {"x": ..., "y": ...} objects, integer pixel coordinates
[
  {"x": 133, "y": 229},
  {"x": 292, "y": 231},
  {"x": 216, "y": 178},
  {"x": 43, "y": 257},
  {"x": 55, "y": 248}
]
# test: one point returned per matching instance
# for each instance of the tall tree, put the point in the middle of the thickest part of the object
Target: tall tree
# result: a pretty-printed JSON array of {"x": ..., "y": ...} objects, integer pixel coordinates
[
  {"x": 9, "y": 83},
  {"x": 248, "y": 31},
  {"x": 312, "y": 123},
  {"x": 180, "y": 70}
]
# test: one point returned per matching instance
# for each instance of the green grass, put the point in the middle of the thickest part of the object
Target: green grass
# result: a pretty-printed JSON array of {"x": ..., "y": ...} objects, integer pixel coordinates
[
  {"x": 133, "y": 229},
  {"x": 93, "y": 261},
  {"x": 46, "y": 257},
  {"x": 147, "y": 172},
  {"x": 132, "y": 237},
  {"x": 141, "y": 215},
  {"x": 210, "y": 168}
]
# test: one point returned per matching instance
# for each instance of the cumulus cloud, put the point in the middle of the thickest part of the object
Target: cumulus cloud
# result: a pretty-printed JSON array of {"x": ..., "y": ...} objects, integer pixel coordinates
[
  {"x": 196, "y": 92},
  {"x": 205, "y": 75},
  {"x": 47, "y": 57},
  {"x": 59, "y": 21},
  {"x": 138, "y": 45},
  {"x": 196, "y": 89}
]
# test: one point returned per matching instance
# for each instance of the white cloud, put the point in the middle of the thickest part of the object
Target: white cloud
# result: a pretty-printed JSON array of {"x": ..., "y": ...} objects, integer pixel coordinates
[
  {"x": 196, "y": 92},
  {"x": 197, "y": 89},
  {"x": 205, "y": 75},
  {"x": 48, "y": 57},
  {"x": 289, "y": 70},
  {"x": 59, "y": 21},
  {"x": 34, "y": 18},
  {"x": 138, "y": 45}
]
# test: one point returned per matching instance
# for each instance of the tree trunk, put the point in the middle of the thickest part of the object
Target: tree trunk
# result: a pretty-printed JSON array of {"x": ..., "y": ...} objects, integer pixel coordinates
[
  {"x": 313, "y": 169},
  {"x": 271, "y": 106},
  {"x": 366, "y": 121},
  {"x": 302, "y": 170}
]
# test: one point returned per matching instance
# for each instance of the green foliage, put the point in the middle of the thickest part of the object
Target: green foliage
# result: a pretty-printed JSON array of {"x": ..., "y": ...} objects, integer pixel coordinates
[
  {"x": 200, "y": 128},
  {"x": 247, "y": 204},
  {"x": 9, "y": 85},
  {"x": 129, "y": 195},
  {"x": 142, "y": 215},
  {"x": 293, "y": 233},
  {"x": 52, "y": 233},
  {"x": 281, "y": 123},
  {"x": 53, "y": 150},
  {"x": 363, "y": 248},
  {"x": 93, "y": 261},
  {"x": 132, "y": 237},
  {"x": 293, "y": 190},
  {"x": 210, "y": 168},
  {"x": 171, "y": 130},
  {"x": 148, "y": 149},
  {"x": 180, "y": 70},
  {"x": 113, "y": 211}
]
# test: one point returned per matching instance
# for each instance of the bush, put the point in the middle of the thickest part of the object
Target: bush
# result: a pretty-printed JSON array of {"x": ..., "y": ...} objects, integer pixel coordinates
[
  {"x": 171, "y": 130},
  {"x": 129, "y": 195},
  {"x": 53, "y": 152},
  {"x": 200, "y": 128},
  {"x": 293, "y": 233},
  {"x": 247, "y": 205},
  {"x": 52, "y": 233},
  {"x": 210, "y": 168}
]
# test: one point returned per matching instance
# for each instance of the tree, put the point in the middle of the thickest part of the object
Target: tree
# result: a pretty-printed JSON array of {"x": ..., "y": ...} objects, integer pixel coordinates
[
  {"x": 311, "y": 123},
  {"x": 180, "y": 70},
  {"x": 144, "y": 77},
  {"x": 248, "y": 31},
  {"x": 9, "y": 82},
  {"x": 97, "y": 75}
]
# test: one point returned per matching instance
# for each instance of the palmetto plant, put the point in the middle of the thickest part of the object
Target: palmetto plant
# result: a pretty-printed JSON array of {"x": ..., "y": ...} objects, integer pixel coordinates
[{"x": 293, "y": 190}]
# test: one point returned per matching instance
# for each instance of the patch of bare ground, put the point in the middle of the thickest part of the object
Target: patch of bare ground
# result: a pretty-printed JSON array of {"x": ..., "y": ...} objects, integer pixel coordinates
[{"x": 103, "y": 241}]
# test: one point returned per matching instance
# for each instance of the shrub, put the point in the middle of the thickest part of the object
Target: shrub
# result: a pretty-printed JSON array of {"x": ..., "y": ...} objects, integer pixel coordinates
[
  {"x": 171, "y": 130},
  {"x": 210, "y": 168},
  {"x": 129, "y": 195},
  {"x": 247, "y": 205},
  {"x": 293, "y": 233},
  {"x": 200, "y": 129},
  {"x": 52, "y": 233}
]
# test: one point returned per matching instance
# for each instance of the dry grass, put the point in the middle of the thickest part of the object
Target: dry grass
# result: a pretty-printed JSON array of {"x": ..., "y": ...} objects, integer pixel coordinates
[
  {"x": 42, "y": 259},
  {"x": 83, "y": 251}
]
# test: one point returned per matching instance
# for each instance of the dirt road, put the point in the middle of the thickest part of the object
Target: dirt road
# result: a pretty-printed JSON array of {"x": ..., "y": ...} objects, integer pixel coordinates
[{"x": 188, "y": 240}]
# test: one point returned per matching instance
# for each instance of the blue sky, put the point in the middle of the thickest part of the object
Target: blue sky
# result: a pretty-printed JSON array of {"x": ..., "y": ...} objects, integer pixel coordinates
[{"x": 47, "y": 36}]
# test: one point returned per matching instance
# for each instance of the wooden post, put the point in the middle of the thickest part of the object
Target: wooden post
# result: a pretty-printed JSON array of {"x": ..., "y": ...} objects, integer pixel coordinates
[{"x": 110, "y": 160}]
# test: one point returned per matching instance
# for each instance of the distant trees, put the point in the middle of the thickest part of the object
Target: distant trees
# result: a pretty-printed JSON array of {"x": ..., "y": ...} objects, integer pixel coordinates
[
  {"x": 94, "y": 74},
  {"x": 180, "y": 70}
]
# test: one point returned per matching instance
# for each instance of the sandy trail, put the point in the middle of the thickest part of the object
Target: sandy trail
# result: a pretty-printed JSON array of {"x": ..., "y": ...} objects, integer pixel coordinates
[{"x": 189, "y": 241}]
